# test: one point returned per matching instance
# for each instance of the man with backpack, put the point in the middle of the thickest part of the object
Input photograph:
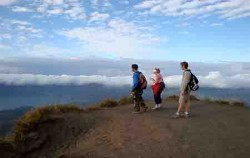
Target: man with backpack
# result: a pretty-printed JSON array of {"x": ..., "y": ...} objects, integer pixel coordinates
[
  {"x": 189, "y": 82},
  {"x": 139, "y": 84}
]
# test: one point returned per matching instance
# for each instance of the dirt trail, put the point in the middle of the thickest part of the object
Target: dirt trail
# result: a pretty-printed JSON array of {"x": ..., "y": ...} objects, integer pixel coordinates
[
  {"x": 123, "y": 134},
  {"x": 214, "y": 131}
]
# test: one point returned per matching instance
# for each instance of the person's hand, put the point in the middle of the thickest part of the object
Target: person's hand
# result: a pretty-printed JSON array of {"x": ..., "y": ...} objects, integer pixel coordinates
[{"x": 132, "y": 93}]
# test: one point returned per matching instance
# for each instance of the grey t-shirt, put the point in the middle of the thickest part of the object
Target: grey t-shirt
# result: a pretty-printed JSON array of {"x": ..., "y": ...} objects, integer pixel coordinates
[{"x": 185, "y": 80}]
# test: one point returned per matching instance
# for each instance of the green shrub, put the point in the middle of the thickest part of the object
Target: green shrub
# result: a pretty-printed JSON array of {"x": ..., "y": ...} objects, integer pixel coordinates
[
  {"x": 125, "y": 101},
  {"x": 108, "y": 103}
]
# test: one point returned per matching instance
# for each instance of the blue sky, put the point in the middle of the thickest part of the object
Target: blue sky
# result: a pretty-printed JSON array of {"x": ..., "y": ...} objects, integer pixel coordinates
[{"x": 193, "y": 30}]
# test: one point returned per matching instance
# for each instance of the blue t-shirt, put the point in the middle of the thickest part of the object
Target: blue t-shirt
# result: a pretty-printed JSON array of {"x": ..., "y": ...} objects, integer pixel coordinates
[{"x": 136, "y": 78}]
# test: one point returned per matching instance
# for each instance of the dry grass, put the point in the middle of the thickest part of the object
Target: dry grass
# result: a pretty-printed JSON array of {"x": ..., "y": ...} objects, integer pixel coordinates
[
  {"x": 172, "y": 98},
  {"x": 36, "y": 116},
  {"x": 33, "y": 117},
  {"x": 108, "y": 103},
  {"x": 226, "y": 102},
  {"x": 93, "y": 107},
  {"x": 217, "y": 101},
  {"x": 6, "y": 144},
  {"x": 176, "y": 98},
  {"x": 125, "y": 101}
]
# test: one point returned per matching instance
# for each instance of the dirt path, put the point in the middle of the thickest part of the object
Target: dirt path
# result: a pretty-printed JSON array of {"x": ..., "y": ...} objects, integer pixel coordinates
[{"x": 121, "y": 134}]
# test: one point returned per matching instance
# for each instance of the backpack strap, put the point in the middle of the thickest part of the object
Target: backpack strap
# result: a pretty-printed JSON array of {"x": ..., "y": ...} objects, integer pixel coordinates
[{"x": 188, "y": 70}]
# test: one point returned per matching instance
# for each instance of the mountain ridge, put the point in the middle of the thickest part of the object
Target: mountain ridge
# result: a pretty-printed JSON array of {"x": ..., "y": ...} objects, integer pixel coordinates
[{"x": 216, "y": 129}]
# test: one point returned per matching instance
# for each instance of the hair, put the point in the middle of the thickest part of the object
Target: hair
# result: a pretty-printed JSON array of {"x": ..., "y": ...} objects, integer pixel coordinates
[
  {"x": 185, "y": 64},
  {"x": 135, "y": 66},
  {"x": 157, "y": 70}
]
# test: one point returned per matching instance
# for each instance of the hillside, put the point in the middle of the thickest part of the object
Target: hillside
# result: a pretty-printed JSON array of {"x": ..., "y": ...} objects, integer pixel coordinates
[{"x": 215, "y": 129}]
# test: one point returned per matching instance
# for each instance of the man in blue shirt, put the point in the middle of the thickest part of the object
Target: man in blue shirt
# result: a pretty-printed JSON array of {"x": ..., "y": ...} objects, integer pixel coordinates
[{"x": 137, "y": 90}]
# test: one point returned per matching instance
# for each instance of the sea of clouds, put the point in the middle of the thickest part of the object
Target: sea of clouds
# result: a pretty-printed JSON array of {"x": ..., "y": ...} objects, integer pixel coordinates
[
  {"x": 213, "y": 79},
  {"x": 117, "y": 72}
]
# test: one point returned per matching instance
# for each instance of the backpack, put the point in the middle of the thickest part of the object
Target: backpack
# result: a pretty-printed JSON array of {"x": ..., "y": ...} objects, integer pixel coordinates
[
  {"x": 143, "y": 83},
  {"x": 163, "y": 85},
  {"x": 193, "y": 83}
]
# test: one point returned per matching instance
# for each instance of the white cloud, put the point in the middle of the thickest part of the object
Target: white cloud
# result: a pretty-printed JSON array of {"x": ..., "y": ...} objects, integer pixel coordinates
[
  {"x": 126, "y": 2},
  {"x": 101, "y": 4},
  {"x": 184, "y": 24},
  {"x": 54, "y": 2},
  {"x": 230, "y": 9},
  {"x": 5, "y": 36},
  {"x": 29, "y": 29},
  {"x": 22, "y": 39},
  {"x": 55, "y": 11},
  {"x": 4, "y": 46},
  {"x": 18, "y": 30},
  {"x": 24, "y": 79},
  {"x": 213, "y": 80},
  {"x": 120, "y": 38},
  {"x": 147, "y": 4},
  {"x": 6, "y": 2},
  {"x": 19, "y": 22},
  {"x": 217, "y": 24},
  {"x": 21, "y": 9},
  {"x": 71, "y": 9},
  {"x": 96, "y": 16},
  {"x": 76, "y": 12},
  {"x": 216, "y": 79},
  {"x": 45, "y": 51},
  {"x": 95, "y": 3}
]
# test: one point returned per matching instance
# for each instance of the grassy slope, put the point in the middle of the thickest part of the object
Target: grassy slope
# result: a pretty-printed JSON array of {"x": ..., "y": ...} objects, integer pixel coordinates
[{"x": 215, "y": 130}]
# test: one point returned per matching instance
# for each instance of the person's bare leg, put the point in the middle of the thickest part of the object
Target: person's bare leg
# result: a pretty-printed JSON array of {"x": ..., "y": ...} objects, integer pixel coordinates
[
  {"x": 187, "y": 107},
  {"x": 179, "y": 108}
]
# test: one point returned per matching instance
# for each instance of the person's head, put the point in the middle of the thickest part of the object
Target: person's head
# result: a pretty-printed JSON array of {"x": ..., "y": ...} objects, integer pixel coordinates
[
  {"x": 184, "y": 65},
  {"x": 156, "y": 71},
  {"x": 134, "y": 67}
]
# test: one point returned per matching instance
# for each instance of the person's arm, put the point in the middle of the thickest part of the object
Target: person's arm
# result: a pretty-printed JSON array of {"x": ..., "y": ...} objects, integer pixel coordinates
[
  {"x": 187, "y": 77},
  {"x": 135, "y": 81}
]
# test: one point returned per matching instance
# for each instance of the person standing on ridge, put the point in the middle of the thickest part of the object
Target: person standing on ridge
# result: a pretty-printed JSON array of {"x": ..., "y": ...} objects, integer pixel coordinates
[
  {"x": 139, "y": 84},
  {"x": 158, "y": 86},
  {"x": 184, "y": 100}
]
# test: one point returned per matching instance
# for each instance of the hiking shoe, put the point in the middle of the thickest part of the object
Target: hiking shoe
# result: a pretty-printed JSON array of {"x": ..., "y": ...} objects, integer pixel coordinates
[
  {"x": 175, "y": 116},
  {"x": 155, "y": 108},
  {"x": 136, "y": 112},
  {"x": 145, "y": 109},
  {"x": 187, "y": 115},
  {"x": 182, "y": 115}
]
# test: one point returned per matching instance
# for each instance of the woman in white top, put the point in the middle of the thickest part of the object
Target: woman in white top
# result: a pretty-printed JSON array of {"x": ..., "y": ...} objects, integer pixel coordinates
[{"x": 157, "y": 87}]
